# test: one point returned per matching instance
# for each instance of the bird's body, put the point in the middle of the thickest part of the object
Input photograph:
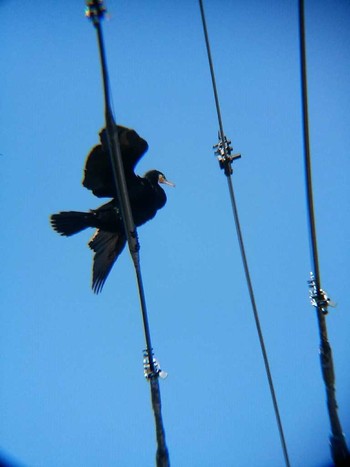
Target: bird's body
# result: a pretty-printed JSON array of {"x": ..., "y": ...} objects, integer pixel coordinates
[{"x": 145, "y": 195}]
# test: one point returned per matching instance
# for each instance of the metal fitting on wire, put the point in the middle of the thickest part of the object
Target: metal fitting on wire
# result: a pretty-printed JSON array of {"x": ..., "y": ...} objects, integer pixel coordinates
[
  {"x": 147, "y": 371},
  {"x": 95, "y": 10},
  {"x": 223, "y": 152},
  {"x": 319, "y": 298}
]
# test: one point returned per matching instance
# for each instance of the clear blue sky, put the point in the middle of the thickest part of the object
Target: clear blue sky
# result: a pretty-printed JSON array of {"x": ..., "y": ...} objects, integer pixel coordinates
[{"x": 72, "y": 389}]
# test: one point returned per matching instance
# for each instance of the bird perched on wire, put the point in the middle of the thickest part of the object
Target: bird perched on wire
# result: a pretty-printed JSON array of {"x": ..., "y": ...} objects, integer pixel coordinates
[{"x": 145, "y": 195}]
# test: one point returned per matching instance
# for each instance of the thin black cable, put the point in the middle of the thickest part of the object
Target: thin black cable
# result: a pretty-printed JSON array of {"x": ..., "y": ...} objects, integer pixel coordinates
[
  {"x": 228, "y": 172},
  {"x": 212, "y": 74},
  {"x": 257, "y": 321},
  {"x": 122, "y": 191},
  {"x": 339, "y": 450},
  {"x": 96, "y": 12},
  {"x": 307, "y": 156}
]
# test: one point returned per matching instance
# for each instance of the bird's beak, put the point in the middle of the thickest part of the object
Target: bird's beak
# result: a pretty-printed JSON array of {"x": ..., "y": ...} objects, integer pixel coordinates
[{"x": 165, "y": 181}]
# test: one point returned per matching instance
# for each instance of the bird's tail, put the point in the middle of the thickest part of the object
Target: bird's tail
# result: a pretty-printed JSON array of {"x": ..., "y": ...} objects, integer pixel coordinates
[{"x": 68, "y": 223}]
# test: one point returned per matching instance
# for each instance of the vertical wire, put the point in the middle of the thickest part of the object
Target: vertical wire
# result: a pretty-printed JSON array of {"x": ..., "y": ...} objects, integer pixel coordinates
[
  {"x": 241, "y": 245},
  {"x": 257, "y": 323},
  {"x": 123, "y": 195},
  {"x": 212, "y": 74},
  {"x": 339, "y": 450},
  {"x": 162, "y": 455},
  {"x": 307, "y": 152}
]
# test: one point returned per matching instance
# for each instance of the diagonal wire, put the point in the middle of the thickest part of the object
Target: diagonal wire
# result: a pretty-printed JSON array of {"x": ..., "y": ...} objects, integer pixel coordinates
[
  {"x": 228, "y": 171},
  {"x": 338, "y": 445},
  {"x": 95, "y": 10}
]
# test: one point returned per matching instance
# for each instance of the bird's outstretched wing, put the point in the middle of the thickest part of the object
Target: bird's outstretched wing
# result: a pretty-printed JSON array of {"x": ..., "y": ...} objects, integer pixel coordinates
[
  {"x": 107, "y": 247},
  {"x": 98, "y": 175}
]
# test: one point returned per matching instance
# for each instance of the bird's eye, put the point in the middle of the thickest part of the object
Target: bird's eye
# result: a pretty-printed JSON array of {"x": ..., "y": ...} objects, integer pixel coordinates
[{"x": 162, "y": 179}]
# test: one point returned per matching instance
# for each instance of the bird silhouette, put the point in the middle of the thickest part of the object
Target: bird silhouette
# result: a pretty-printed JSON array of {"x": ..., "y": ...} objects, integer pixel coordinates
[{"x": 145, "y": 195}]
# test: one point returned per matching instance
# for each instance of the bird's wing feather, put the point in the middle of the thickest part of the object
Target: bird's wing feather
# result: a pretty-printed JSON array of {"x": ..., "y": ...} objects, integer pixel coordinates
[
  {"x": 107, "y": 247},
  {"x": 98, "y": 175},
  {"x": 132, "y": 146}
]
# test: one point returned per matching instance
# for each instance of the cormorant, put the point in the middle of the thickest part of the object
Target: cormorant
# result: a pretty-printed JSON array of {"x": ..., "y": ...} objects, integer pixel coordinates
[{"x": 145, "y": 194}]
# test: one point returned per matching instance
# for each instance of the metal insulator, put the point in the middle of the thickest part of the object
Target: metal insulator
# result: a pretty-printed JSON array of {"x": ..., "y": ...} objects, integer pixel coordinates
[
  {"x": 95, "y": 10},
  {"x": 148, "y": 374},
  {"x": 223, "y": 152},
  {"x": 319, "y": 298}
]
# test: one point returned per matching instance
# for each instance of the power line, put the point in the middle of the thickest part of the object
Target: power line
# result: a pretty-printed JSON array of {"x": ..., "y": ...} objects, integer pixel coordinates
[
  {"x": 339, "y": 450},
  {"x": 95, "y": 11},
  {"x": 225, "y": 160}
]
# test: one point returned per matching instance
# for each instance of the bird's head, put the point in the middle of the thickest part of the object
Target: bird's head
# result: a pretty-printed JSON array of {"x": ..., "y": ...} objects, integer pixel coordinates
[{"x": 154, "y": 176}]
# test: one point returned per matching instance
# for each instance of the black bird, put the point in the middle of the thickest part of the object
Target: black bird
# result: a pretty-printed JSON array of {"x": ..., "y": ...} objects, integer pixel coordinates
[{"x": 145, "y": 194}]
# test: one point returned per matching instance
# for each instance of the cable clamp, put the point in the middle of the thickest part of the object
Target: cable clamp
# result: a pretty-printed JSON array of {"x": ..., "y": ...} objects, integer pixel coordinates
[
  {"x": 95, "y": 10},
  {"x": 319, "y": 298},
  {"x": 147, "y": 371},
  {"x": 223, "y": 152}
]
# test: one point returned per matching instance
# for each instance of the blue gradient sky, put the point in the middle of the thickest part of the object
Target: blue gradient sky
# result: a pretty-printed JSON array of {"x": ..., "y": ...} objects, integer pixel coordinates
[{"x": 72, "y": 389}]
